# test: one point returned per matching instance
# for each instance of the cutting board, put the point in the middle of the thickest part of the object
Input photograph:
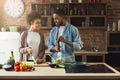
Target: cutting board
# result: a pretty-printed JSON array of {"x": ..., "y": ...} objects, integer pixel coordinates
[{"x": 41, "y": 65}]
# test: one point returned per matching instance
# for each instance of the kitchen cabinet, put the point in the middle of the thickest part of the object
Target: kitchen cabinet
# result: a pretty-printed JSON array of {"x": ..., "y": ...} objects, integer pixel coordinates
[
  {"x": 82, "y": 15},
  {"x": 113, "y": 48}
]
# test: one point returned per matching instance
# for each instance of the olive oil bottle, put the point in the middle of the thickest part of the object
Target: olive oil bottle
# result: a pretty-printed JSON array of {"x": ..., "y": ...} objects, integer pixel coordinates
[{"x": 12, "y": 56}]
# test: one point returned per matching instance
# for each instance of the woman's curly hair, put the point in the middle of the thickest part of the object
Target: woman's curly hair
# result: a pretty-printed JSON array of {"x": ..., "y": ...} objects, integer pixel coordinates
[{"x": 32, "y": 16}]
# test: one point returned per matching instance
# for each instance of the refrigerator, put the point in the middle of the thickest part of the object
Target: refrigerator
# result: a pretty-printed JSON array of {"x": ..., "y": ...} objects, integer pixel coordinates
[{"x": 9, "y": 41}]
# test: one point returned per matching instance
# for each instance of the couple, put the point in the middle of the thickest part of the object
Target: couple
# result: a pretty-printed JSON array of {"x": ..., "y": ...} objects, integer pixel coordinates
[{"x": 64, "y": 38}]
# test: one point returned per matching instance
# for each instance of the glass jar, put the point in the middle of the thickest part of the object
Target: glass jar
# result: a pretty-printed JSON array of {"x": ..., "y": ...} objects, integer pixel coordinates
[
  {"x": 42, "y": 1},
  {"x": 3, "y": 29},
  {"x": 70, "y": 1},
  {"x": 61, "y": 1},
  {"x": 79, "y": 1}
]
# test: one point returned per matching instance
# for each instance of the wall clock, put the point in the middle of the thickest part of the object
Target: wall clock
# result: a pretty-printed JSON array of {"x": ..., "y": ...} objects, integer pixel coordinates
[{"x": 14, "y": 8}]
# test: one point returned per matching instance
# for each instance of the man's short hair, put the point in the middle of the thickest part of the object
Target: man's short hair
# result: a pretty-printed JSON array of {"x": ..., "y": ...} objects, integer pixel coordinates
[{"x": 59, "y": 12}]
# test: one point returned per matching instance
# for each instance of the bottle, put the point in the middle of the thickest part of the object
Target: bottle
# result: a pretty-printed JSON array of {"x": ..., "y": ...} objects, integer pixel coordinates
[
  {"x": 114, "y": 26},
  {"x": 45, "y": 10},
  {"x": 83, "y": 23},
  {"x": 91, "y": 23},
  {"x": 82, "y": 11},
  {"x": 108, "y": 27},
  {"x": 75, "y": 11},
  {"x": 71, "y": 12},
  {"x": 102, "y": 12},
  {"x": 12, "y": 56},
  {"x": 78, "y": 12},
  {"x": 118, "y": 25}
]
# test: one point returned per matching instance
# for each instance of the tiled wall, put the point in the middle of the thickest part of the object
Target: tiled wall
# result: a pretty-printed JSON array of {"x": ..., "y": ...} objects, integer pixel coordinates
[{"x": 92, "y": 38}]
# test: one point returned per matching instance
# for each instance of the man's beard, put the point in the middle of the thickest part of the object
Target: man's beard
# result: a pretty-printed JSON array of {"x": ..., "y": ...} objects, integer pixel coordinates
[{"x": 59, "y": 24}]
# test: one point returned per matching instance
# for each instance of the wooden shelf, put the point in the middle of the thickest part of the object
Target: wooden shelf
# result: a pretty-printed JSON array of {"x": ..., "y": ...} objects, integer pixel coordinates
[
  {"x": 114, "y": 46},
  {"x": 97, "y": 27},
  {"x": 78, "y": 14},
  {"x": 113, "y": 32}
]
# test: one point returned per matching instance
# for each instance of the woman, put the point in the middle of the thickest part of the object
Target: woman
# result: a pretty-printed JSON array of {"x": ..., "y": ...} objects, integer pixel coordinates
[{"x": 32, "y": 41}]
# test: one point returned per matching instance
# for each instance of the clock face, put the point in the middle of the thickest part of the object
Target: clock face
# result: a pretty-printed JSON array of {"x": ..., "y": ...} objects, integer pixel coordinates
[{"x": 14, "y": 8}]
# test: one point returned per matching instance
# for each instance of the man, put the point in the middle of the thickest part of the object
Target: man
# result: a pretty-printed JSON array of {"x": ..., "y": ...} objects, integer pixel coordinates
[{"x": 64, "y": 38}]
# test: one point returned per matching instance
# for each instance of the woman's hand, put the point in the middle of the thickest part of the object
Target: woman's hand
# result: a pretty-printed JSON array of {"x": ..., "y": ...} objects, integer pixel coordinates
[
  {"x": 29, "y": 50},
  {"x": 39, "y": 60}
]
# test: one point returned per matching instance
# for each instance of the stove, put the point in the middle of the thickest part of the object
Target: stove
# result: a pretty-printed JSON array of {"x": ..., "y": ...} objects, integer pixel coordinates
[{"x": 86, "y": 68}]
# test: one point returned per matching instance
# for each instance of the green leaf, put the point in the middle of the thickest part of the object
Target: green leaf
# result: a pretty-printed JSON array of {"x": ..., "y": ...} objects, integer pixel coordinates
[{"x": 61, "y": 65}]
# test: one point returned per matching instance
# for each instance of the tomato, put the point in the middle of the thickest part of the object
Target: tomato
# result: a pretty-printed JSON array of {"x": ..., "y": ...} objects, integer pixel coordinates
[
  {"x": 22, "y": 68},
  {"x": 28, "y": 69},
  {"x": 33, "y": 68},
  {"x": 16, "y": 68},
  {"x": 17, "y": 63}
]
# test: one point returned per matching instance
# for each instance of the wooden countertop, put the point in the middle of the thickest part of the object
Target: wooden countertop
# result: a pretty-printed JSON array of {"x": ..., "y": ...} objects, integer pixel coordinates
[
  {"x": 55, "y": 73},
  {"x": 84, "y": 52}
]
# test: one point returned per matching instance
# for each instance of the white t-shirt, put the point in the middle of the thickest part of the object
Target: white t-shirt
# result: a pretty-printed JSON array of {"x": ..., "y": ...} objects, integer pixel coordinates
[
  {"x": 60, "y": 33},
  {"x": 33, "y": 40}
]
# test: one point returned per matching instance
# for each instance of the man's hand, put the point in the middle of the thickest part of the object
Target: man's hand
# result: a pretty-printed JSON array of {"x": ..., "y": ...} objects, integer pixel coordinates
[
  {"x": 56, "y": 48},
  {"x": 61, "y": 39}
]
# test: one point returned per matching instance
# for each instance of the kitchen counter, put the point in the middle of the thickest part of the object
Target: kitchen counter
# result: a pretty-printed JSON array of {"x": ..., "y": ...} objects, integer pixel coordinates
[
  {"x": 45, "y": 72},
  {"x": 85, "y": 53}
]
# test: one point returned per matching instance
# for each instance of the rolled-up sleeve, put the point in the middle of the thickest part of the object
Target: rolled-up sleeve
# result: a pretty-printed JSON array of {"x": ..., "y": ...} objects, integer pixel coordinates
[{"x": 77, "y": 42}]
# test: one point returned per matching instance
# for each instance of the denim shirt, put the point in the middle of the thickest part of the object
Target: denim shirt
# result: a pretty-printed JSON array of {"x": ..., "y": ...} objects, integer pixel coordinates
[{"x": 71, "y": 34}]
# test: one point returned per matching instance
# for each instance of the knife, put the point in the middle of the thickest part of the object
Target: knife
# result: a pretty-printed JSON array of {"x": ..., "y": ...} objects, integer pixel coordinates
[{"x": 34, "y": 59}]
